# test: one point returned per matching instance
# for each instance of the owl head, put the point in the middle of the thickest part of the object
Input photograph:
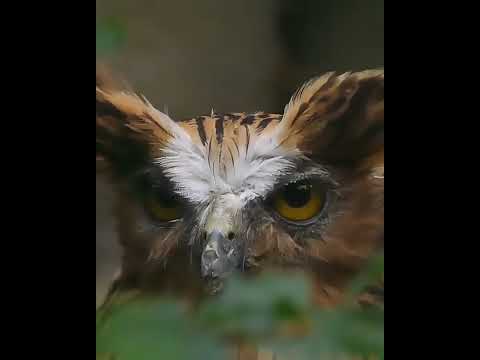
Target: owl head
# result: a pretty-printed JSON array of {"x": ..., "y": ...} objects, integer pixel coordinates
[{"x": 202, "y": 198}]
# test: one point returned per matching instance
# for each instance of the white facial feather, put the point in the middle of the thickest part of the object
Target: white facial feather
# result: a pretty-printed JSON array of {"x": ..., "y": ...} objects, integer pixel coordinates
[
  {"x": 187, "y": 166},
  {"x": 184, "y": 163}
]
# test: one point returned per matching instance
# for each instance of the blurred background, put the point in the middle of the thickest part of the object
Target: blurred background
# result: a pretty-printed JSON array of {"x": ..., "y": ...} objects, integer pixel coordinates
[{"x": 249, "y": 55}]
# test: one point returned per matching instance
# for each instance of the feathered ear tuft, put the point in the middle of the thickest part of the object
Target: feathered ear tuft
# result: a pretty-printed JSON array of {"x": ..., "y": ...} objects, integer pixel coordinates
[
  {"x": 336, "y": 117},
  {"x": 129, "y": 130}
]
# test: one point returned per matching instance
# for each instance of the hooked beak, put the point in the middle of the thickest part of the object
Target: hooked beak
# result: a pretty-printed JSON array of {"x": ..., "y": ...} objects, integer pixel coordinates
[{"x": 220, "y": 257}]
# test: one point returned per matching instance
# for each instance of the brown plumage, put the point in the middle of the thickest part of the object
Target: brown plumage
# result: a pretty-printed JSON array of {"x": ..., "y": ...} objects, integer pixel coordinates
[{"x": 241, "y": 192}]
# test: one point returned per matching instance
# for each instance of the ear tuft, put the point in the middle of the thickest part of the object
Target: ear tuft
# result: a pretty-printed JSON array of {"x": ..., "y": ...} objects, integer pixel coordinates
[
  {"x": 337, "y": 117},
  {"x": 129, "y": 130}
]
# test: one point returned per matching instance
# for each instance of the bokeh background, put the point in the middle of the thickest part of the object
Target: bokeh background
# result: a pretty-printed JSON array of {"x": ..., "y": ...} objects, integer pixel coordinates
[{"x": 194, "y": 55}]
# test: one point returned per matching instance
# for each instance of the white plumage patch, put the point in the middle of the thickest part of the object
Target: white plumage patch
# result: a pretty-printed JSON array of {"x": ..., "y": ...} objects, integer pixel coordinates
[
  {"x": 254, "y": 175},
  {"x": 184, "y": 163}
]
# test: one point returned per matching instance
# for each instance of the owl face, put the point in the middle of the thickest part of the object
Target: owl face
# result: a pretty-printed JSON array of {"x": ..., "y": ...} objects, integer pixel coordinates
[{"x": 240, "y": 192}]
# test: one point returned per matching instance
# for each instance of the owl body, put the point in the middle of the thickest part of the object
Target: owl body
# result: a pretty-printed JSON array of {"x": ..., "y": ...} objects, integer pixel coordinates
[{"x": 203, "y": 198}]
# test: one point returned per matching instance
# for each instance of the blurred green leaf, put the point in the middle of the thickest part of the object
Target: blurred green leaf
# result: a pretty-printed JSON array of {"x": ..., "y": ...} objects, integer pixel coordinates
[
  {"x": 147, "y": 330},
  {"x": 348, "y": 332},
  {"x": 254, "y": 309},
  {"x": 110, "y": 36},
  {"x": 372, "y": 273}
]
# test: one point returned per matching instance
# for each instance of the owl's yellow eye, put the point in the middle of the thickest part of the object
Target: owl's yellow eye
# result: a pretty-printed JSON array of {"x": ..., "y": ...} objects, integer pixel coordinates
[
  {"x": 163, "y": 208},
  {"x": 299, "y": 201}
]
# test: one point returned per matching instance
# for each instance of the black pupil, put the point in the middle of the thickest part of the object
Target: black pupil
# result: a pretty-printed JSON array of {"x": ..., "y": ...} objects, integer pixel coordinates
[{"x": 297, "y": 194}]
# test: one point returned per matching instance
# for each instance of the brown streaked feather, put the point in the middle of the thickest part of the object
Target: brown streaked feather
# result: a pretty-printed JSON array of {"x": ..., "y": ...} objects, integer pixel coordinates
[
  {"x": 309, "y": 104},
  {"x": 138, "y": 114},
  {"x": 326, "y": 105},
  {"x": 129, "y": 130},
  {"x": 225, "y": 138}
]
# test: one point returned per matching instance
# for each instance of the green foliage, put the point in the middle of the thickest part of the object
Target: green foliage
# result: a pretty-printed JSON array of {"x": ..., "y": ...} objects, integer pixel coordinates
[
  {"x": 372, "y": 272},
  {"x": 110, "y": 36},
  {"x": 148, "y": 329},
  {"x": 255, "y": 310}
]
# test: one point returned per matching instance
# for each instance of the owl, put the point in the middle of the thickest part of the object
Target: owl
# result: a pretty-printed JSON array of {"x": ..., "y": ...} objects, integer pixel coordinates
[{"x": 203, "y": 198}]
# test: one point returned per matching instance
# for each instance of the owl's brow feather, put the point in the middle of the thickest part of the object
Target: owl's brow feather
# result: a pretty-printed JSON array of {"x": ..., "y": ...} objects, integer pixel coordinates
[{"x": 305, "y": 168}]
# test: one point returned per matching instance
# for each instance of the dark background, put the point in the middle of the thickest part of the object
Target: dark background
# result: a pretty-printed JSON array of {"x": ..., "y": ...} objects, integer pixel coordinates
[{"x": 249, "y": 55}]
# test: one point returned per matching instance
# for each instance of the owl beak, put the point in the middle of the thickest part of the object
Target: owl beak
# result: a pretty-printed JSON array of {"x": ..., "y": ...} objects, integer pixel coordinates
[{"x": 220, "y": 257}]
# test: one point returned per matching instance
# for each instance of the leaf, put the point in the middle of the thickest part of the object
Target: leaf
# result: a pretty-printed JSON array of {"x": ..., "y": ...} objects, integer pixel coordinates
[
  {"x": 257, "y": 310},
  {"x": 370, "y": 275},
  {"x": 110, "y": 36},
  {"x": 144, "y": 330},
  {"x": 256, "y": 307}
]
